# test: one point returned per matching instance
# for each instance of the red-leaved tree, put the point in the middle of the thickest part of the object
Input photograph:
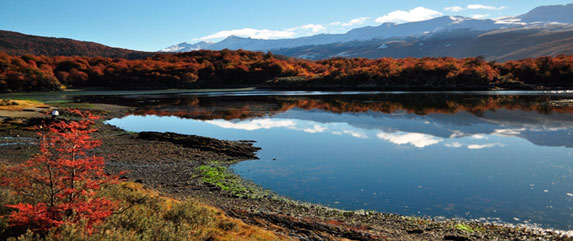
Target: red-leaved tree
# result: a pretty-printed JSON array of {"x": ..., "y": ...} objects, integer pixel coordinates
[{"x": 60, "y": 184}]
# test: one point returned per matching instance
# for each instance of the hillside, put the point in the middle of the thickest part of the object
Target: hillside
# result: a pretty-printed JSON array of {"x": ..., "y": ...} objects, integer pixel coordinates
[
  {"x": 14, "y": 43},
  {"x": 499, "y": 45},
  {"x": 553, "y": 13},
  {"x": 237, "y": 69}
]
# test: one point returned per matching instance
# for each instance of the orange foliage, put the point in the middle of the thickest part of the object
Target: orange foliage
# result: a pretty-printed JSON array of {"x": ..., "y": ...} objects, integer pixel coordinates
[
  {"x": 226, "y": 68},
  {"x": 61, "y": 183}
]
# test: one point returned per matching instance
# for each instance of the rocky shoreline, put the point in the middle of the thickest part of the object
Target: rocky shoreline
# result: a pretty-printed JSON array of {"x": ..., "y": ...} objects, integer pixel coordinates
[{"x": 192, "y": 166}]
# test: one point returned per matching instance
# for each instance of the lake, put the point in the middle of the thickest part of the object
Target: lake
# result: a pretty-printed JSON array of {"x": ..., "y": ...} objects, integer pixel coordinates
[{"x": 497, "y": 156}]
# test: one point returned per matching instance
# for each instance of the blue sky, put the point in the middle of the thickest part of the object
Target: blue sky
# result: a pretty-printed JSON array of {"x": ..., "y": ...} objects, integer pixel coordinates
[{"x": 150, "y": 26}]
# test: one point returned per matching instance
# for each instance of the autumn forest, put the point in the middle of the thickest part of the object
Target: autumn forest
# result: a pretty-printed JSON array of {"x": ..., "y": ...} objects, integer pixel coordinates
[{"x": 231, "y": 69}]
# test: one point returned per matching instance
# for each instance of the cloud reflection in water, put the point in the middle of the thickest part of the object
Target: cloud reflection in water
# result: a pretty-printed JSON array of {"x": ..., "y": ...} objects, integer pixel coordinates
[{"x": 415, "y": 139}]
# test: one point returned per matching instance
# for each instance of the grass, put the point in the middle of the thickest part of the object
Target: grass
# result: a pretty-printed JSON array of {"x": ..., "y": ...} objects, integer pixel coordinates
[
  {"x": 147, "y": 215},
  {"x": 89, "y": 106},
  {"x": 221, "y": 177},
  {"x": 465, "y": 228},
  {"x": 16, "y": 105}
]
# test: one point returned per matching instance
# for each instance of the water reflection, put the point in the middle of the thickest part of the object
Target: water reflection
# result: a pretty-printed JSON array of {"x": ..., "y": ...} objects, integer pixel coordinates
[{"x": 506, "y": 157}]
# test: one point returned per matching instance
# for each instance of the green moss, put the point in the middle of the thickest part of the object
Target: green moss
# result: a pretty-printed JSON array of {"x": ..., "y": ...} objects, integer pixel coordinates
[
  {"x": 221, "y": 177},
  {"x": 464, "y": 227},
  {"x": 216, "y": 175}
]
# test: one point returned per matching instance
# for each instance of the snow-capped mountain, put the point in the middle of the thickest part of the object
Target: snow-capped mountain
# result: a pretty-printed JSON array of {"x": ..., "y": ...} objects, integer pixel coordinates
[
  {"x": 390, "y": 39},
  {"x": 531, "y": 40},
  {"x": 385, "y": 30},
  {"x": 186, "y": 47},
  {"x": 446, "y": 23}
]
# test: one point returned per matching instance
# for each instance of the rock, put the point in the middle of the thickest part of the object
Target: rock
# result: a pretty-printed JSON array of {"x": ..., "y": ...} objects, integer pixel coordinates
[
  {"x": 239, "y": 150},
  {"x": 455, "y": 238}
]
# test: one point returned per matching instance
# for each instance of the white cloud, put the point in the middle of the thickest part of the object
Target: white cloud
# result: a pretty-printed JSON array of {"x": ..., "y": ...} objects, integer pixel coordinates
[
  {"x": 482, "y": 146},
  {"x": 252, "y": 124},
  {"x": 457, "y": 133},
  {"x": 355, "y": 21},
  {"x": 484, "y": 7},
  {"x": 480, "y": 16},
  {"x": 315, "y": 28},
  {"x": 355, "y": 134},
  {"x": 454, "y": 9},
  {"x": 454, "y": 145},
  {"x": 303, "y": 30},
  {"x": 416, "y": 139},
  {"x": 412, "y": 15},
  {"x": 352, "y": 22},
  {"x": 250, "y": 32},
  {"x": 315, "y": 129},
  {"x": 508, "y": 132},
  {"x": 268, "y": 123},
  {"x": 479, "y": 136},
  {"x": 474, "y": 7}
]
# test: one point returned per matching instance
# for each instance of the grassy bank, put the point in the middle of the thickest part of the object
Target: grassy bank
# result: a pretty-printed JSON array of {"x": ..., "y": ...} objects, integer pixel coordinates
[{"x": 146, "y": 215}]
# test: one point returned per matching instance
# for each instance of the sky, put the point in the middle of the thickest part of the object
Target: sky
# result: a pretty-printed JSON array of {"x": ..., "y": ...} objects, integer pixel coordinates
[{"x": 154, "y": 25}]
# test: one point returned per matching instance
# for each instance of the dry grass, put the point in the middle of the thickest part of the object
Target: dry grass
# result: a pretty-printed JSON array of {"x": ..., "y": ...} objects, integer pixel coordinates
[
  {"x": 19, "y": 105},
  {"x": 22, "y": 108},
  {"x": 149, "y": 215},
  {"x": 223, "y": 228}
]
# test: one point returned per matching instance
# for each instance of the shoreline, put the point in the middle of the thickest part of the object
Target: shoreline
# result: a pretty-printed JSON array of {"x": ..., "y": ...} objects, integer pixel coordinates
[
  {"x": 106, "y": 91},
  {"x": 168, "y": 165}
]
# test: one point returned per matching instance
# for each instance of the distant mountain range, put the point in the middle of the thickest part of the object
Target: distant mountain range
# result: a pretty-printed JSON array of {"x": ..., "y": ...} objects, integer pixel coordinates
[
  {"x": 14, "y": 43},
  {"x": 386, "y": 30},
  {"x": 500, "y": 44},
  {"x": 545, "y": 30}
]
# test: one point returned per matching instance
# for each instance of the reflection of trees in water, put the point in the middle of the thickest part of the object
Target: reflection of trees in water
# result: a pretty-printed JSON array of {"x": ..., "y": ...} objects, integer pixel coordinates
[{"x": 242, "y": 107}]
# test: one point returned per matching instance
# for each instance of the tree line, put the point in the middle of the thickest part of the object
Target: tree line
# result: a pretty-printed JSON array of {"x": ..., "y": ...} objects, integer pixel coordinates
[{"x": 226, "y": 68}]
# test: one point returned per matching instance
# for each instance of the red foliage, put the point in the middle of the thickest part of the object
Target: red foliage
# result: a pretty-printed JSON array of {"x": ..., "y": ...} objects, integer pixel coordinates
[
  {"x": 61, "y": 183},
  {"x": 227, "y": 69}
]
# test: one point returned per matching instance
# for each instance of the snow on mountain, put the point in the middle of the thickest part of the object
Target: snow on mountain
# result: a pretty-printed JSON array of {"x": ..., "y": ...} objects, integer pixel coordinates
[
  {"x": 446, "y": 23},
  {"x": 543, "y": 14},
  {"x": 532, "y": 40},
  {"x": 185, "y": 47},
  {"x": 385, "y": 30}
]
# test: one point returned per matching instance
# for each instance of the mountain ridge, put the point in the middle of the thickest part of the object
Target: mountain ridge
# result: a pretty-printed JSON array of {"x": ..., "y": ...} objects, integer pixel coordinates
[
  {"x": 553, "y": 13},
  {"x": 15, "y": 43},
  {"x": 354, "y": 42},
  {"x": 499, "y": 45},
  {"x": 385, "y": 30}
]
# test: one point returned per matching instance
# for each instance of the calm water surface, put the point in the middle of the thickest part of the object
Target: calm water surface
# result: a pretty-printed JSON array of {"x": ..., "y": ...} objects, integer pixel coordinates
[{"x": 506, "y": 157}]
